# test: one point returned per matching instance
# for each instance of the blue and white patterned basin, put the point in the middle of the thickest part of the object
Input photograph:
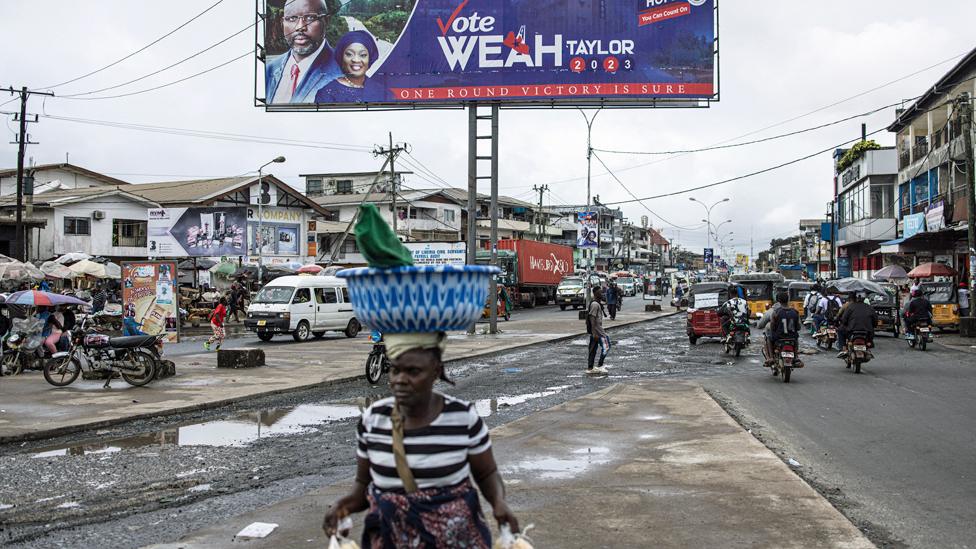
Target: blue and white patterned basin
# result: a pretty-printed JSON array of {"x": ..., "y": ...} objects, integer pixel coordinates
[{"x": 419, "y": 299}]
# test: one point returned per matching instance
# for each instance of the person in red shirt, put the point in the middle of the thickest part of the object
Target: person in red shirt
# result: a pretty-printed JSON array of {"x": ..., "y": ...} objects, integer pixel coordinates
[{"x": 217, "y": 323}]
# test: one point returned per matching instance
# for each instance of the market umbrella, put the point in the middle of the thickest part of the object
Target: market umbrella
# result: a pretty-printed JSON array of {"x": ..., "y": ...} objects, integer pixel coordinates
[
  {"x": 72, "y": 257},
  {"x": 36, "y": 298},
  {"x": 891, "y": 272},
  {"x": 928, "y": 270},
  {"x": 20, "y": 272},
  {"x": 226, "y": 268},
  {"x": 310, "y": 269},
  {"x": 202, "y": 264},
  {"x": 6, "y": 259},
  {"x": 56, "y": 270},
  {"x": 97, "y": 270},
  {"x": 245, "y": 270},
  {"x": 330, "y": 271},
  {"x": 854, "y": 285}
]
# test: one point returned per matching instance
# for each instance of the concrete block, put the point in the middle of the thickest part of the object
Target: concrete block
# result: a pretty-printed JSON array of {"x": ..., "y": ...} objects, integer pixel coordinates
[
  {"x": 240, "y": 358},
  {"x": 652, "y": 308}
]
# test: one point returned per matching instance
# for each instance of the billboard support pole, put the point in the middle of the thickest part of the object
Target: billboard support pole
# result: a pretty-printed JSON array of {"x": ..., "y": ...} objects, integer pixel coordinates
[
  {"x": 472, "y": 187},
  {"x": 589, "y": 200},
  {"x": 493, "y": 285}
]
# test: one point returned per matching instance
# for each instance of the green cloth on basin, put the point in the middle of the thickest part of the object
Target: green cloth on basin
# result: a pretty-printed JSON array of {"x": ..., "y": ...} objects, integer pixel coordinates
[{"x": 377, "y": 241}]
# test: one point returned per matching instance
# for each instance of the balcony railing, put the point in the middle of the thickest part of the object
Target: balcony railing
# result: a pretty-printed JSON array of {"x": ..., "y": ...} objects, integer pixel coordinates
[
  {"x": 920, "y": 149},
  {"x": 904, "y": 159}
]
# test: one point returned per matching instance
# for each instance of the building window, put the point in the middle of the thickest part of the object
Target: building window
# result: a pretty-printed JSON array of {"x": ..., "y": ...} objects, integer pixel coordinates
[
  {"x": 344, "y": 186},
  {"x": 412, "y": 213},
  {"x": 313, "y": 187},
  {"x": 449, "y": 216},
  {"x": 128, "y": 233},
  {"x": 77, "y": 226}
]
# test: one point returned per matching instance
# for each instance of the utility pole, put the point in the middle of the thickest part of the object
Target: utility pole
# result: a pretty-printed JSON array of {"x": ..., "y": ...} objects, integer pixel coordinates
[
  {"x": 589, "y": 198},
  {"x": 391, "y": 154},
  {"x": 538, "y": 213},
  {"x": 23, "y": 140},
  {"x": 966, "y": 118}
]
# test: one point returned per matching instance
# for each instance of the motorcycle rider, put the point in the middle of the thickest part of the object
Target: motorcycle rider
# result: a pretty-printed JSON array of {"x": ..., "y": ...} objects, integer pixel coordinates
[
  {"x": 919, "y": 309},
  {"x": 733, "y": 311},
  {"x": 827, "y": 310},
  {"x": 766, "y": 324},
  {"x": 857, "y": 316}
]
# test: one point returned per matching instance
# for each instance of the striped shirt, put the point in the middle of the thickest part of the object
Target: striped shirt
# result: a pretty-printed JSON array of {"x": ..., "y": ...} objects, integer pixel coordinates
[{"x": 437, "y": 454}]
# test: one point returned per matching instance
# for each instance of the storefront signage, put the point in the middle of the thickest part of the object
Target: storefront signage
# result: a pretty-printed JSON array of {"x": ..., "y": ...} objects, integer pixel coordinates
[
  {"x": 852, "y": 175},
  {"x": 913, "y": 224},
  {"x": 196, "y": 232},
  {"x": 437, "y": 253},
  {"x": 276, "y": 215},
  {"x": 935, "y": 216}
]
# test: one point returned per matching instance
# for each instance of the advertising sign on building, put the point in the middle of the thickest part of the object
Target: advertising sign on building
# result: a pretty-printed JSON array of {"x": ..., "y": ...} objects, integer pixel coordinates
[
  {"x": 149, "y": 297},
  {"x": 913, "y": 224},
  {"x": 935, "y": 216},
  {"x": 518, "y": 52},
  {"x": 197, "y": 232},
  {"x": 438, "y": 253},
  {"x": 742, "y": 260},
  {"x": 709, "y": 256},
  {"x": 587, "y": 230}
]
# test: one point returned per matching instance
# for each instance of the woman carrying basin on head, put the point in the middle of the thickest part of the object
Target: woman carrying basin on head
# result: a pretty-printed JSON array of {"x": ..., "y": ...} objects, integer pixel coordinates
[
  {"x": 418, "y": 450},
  {"x": 355, "y": 53}
]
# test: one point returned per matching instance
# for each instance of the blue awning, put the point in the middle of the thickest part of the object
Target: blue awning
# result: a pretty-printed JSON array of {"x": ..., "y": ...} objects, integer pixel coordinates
[{"x": 894, "y": 242}]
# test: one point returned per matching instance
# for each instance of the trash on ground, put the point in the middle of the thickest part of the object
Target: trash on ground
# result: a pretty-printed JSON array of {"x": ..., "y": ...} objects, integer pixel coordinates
[
  {"x": 256, "y": 530},
  {"x": 793, "y": 462}
]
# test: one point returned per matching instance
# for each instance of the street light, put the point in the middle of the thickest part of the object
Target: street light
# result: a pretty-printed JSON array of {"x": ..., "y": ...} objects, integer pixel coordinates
[
  {"x": 589, "y": 161},
  {"x": 708, "y": 212},
  {"x": 260, "y": 238}
]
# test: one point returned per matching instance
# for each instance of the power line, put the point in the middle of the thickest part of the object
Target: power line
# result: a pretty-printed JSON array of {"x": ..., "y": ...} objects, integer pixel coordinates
[
  {"x": 428, "y": 170},
  {"x": 602, "y": 163},
  {"x": 140, "y": 50},
  {"x": 147, "y": 90},
  {"x": 780, "y": 123},
  {"x": 763, "y": 140},
  {"x": 166, "y": 68}
]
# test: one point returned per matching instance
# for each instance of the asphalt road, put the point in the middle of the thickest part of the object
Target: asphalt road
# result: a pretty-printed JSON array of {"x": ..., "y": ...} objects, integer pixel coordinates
[{"x": 892, "y": 448}]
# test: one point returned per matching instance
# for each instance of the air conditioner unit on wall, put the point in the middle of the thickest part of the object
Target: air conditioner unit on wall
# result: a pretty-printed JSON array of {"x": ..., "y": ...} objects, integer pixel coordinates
[{"x": 98, "y": 214}]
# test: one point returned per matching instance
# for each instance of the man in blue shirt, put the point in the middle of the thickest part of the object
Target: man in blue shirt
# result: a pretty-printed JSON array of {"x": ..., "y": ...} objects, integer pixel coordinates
[{"x": 613, "y": 299}]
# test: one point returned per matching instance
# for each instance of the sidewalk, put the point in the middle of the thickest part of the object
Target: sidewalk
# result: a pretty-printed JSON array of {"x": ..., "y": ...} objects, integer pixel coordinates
[
  {"x": 672, "y": 469},
  {"x": 32, "y": 409},
  {"x": 957, "y": 342}
]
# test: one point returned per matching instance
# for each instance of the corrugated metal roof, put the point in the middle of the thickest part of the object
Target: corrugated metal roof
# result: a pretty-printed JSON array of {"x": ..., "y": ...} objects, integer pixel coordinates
[{"x": 68, "y": 168}]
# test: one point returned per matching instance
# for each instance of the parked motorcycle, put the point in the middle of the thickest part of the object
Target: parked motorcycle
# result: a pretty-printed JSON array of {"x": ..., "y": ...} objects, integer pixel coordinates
[
  {"x": 826, "y": 335},
  {"x": 24, "y": 347},
  {"x": 920, "y": 335},
  {"x": 785, "y": 358},
  {"x": 377, "y": 362},
  {"x": 858, "y": 351},
  {"x": 737, "y": 339},
  {"x": 132, "y": 357}
]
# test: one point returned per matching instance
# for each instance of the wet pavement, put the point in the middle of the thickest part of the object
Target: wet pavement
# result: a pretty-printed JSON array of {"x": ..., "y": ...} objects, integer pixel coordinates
[{"x": 151, "y": 481}]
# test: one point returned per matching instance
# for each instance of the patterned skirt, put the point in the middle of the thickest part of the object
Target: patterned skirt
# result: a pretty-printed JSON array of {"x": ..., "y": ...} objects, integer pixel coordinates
[{"x": 430, "y": 518}]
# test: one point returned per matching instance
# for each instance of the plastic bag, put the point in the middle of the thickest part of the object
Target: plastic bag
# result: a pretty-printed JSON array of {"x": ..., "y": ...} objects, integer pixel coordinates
[
  {"x": 508, "y": 540},
  {"x": 339, "y": 540}
]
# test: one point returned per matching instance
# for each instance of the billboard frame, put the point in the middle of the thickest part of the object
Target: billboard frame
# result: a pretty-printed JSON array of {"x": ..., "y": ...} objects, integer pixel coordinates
[{"x": 260, "y": 55}]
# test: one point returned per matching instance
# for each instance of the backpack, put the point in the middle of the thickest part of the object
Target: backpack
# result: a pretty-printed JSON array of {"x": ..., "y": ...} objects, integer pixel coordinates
[
  {"x": 832, "y": 308},
  {"x": 786, "y": 322}
]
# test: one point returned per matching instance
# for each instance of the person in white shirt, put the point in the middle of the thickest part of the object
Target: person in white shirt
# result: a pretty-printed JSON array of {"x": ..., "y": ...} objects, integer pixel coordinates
[{"x": 963, "y": 299}]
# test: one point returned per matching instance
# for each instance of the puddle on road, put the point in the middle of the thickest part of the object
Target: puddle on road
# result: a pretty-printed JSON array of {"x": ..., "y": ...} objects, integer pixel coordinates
[
  {"x": 237, "y": 431},
  {"x": 488, "y": 406},
  {"x": 558, "y": 468}
]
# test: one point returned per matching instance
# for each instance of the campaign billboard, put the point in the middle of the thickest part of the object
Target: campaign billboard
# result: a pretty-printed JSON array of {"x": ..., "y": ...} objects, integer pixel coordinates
[
  {"x": 150, "y": 299},
  {"x": 197, "y": 232},
  {"x": 587, "y": 230},
  {"x": 357, "y": 54}
]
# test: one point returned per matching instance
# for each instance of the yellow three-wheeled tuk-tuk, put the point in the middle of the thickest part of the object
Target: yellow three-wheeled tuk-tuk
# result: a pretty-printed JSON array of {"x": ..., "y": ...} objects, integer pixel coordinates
[
  {"x": 758, "y": 288},
  {"x": 798, "y": 294},
  {"x": 945, "y": 303}
]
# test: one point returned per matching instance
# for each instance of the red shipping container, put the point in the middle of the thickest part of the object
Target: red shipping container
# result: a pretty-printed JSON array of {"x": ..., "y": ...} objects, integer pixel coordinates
[{"x": 540, "y": 263}]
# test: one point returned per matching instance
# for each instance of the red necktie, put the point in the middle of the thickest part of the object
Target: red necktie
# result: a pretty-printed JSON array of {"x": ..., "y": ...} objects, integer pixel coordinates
[{"x": 294, "y": 78}]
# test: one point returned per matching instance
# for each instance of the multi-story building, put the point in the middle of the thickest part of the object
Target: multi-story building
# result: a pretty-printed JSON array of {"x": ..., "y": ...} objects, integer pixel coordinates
[
  {"x": 864, "y": 187},
  {"x": 932, "y": 183},
  {"x": 815, "y": 250},
  {"x": 609, "y": 255}
]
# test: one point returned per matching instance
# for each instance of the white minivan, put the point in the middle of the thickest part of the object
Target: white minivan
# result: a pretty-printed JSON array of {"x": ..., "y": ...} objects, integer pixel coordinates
[{"x": 302, "y": 306}]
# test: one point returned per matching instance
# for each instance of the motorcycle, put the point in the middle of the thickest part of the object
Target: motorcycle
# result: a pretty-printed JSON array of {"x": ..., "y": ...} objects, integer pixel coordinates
[
  {"x": 24, "y": 347},
  {"x": 132, "y": 357},
  {"x": 858, "y": 353},
  {"x": 785, "y": 358},
  {"x": 738, "y": 338},
  {"x": 377, "y": 363},
  {"x": 826, "y": 335},
  {"x": 920, "y": 335}
]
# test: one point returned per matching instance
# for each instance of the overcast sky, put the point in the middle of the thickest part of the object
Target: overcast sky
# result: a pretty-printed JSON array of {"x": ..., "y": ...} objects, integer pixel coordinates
[{"x": 779, "y": 60}]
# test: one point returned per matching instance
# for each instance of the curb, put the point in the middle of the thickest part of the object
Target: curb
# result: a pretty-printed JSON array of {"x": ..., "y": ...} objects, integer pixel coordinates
[{"x": 71, "y": 429}]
